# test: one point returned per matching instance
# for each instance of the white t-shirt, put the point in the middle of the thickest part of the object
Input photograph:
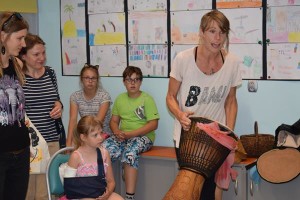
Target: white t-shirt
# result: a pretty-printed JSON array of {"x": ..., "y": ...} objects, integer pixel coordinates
[{"x": 203, "y": 94}]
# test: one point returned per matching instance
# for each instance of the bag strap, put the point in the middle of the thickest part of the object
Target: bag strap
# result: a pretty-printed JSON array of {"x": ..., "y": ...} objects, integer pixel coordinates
[
  {"x": 50, "y": 72},
  {"x": 100, "y": 164}
]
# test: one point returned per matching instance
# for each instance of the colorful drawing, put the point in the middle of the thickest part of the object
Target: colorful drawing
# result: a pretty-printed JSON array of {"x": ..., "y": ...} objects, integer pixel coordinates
[
  {"x": 107, "y": 29},
  {"x": 185, "y": 26},
  {"x": 175, "y": 49},
  {"x": 147, "y": 5},
  {"x": 147, "y": 27},
  {"x": 239, "y": 3},
  {"x": 283, "y": 61},
  {"x": 176, "y": 5},
  {"x": 283, "y": 24},
  {"x": 105, "y": 6},
  {"x": 69, "y": 29}
]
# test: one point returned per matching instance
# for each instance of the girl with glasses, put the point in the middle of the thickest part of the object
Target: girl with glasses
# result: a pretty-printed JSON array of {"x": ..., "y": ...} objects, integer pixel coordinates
[
  {"x": 14, "y": 135},
  {"x": 92, "y": 99}
]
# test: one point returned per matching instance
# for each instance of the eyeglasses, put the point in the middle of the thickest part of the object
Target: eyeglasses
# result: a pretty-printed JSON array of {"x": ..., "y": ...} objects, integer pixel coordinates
[
  {"x": 91, "y": 66},
  {"x": 16, "y": 15},
  {"x": 92, "y": 79},
  {"x": 133, "y": 80}
]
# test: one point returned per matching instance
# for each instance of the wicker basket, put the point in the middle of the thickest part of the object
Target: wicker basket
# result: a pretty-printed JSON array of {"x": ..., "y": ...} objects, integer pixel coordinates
[{"x": 256, "y": 144}]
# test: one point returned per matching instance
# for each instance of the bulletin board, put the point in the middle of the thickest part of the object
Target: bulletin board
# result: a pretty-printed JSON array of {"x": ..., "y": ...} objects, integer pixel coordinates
[{"x": 265, "y": 35}]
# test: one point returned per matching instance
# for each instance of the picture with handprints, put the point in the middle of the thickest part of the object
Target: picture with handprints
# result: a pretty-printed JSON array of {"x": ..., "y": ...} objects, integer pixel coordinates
[
  {"x": 147, "y": 5},
  {"x": 107, "y": 29},
  {"x": 73, "y": 36}
]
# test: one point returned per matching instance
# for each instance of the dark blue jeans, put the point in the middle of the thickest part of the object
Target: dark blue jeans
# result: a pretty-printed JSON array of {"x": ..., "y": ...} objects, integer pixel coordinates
[{"x": 14, "y": 175}]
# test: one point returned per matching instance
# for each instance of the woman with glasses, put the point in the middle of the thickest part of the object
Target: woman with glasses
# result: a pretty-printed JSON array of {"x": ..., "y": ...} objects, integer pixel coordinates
[
  {"x": 134, "y": 120},
  {"x": 92, "y": 99},
  {"x": 14, "y": 135},
  {"x": 42, "y": 104}
]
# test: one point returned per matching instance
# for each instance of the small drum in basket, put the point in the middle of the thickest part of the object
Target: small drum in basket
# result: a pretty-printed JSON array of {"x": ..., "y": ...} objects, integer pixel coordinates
[{"x": 200, "y": 153}]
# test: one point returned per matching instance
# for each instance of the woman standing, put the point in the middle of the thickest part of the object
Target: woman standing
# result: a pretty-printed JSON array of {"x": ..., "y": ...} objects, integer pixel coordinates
[
  {"x": 92, "y": 99},
  {"x": 14, "y": 135},
  {"x": 43, "y": 104},
  {"x": 203, "y": 82}
]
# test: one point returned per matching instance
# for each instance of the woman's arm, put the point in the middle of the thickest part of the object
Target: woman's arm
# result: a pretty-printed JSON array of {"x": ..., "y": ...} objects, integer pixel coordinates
[
  {"x": 72, "y": 123},
  {"x": 231, "y": 107},
  {"x": 103, "y": 110},
  {"x": 173, "y": 104}
]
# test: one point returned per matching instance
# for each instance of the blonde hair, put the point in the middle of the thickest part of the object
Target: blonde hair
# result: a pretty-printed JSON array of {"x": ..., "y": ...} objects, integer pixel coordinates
[
  {"x": 86, "y": 125},
  {"x": 6, "y": 25}
]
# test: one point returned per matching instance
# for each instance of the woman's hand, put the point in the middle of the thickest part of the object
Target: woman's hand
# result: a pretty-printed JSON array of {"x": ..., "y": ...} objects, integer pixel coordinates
[
  {"x": 185, "y": 120},
  {"x": 56, "y": 112}
]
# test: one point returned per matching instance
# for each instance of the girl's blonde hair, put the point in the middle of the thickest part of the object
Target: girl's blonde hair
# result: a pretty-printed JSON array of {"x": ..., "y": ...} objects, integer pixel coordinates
[
  {"x": 10, "y": 23},
  {"x": 86, "y": 125}
]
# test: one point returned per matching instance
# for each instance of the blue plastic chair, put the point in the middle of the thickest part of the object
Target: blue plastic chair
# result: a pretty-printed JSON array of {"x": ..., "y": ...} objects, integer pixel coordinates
[{"x": 54, "y": 185}]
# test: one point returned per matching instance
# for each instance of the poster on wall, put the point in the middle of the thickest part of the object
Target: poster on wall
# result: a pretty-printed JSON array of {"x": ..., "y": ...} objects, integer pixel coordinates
[
  {"x": 107, "y": 29},
  {"x": 112, "y": 59},
  {"x": 238, "y": 4},
  {"x": 283, "y": 2},
  {"x": 73, "y": 36},
  {"x": 185, "y": 26},
  {"x": 245, "y": 25},
  {"x": 147, "y": 27},
  {"x": 283, "y": 24},
  {"x": 251, "y": 59},
  {"x": 151, "y": 58},
  {"x": 105, "y": 6},
  {"x": 283, "y": 61},
  {"x": 147, "y": 5},
  {"x": 176, "y": 48},
  {"x": 176, "y": 5}
]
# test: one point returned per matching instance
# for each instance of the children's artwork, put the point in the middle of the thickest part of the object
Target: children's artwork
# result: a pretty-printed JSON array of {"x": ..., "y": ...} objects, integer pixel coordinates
[
  {"x": 105, "y": 6},
  {"x": 107, "y": 29},
  {"x": 245, "y": 24},
  {"x": 185, "y": 26},
  {"x": 146, "y": 5},
  {"x": 250, "y": 56},
  {"x": 147, "y": 28},
  {"x": 111, "y": 59},
  {"x": 283, "y": 61},
  {"x": 176, "y": 5},
  {"x": 73, "y": 36},
  {"x": 175, "y": 49},
  {"x": 239, "y": 3},
  {"x": 151, "y": 58},
  {"x": 283, "y": 24},
  {"x": 283, "y": 2}
]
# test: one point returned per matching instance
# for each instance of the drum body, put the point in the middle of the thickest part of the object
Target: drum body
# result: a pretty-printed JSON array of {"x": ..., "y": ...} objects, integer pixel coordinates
[
  {"x": 200, "y": 153},
  {"x": 199, "y": 156}
]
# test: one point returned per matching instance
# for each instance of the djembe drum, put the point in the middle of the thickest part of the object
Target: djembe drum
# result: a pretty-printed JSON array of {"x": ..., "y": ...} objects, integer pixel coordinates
[{"x": 199, "y": 157}]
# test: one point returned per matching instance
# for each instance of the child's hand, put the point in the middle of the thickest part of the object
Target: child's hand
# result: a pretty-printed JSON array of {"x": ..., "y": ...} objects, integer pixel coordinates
[{"x": 104, "y": 196}]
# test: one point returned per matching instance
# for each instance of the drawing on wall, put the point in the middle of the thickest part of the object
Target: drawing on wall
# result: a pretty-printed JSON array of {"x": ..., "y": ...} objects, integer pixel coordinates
[
  {"x": 107, "y": 29},
  {"x": 283, "y": 61},
  {"x": 112, "y": 59},
  {"x": 185, "y": 26},
  {"x": 283, "y": 24},
  {"x": 105, "y": 6},
  {"x": 151, "y": 58},
  {"x": 190, "y": 5},
  {"x": 283, "y": 2},
  {"x": 175, "y": 49},
  {"x": 73, "y": 36},
  {"x": 239, "y": 3},
  {"x": 251, "y": 59},
  {"x": 243, "y": 28},
  {"x": 147, "y": 27},
  {"x": 146, "y": 5}
]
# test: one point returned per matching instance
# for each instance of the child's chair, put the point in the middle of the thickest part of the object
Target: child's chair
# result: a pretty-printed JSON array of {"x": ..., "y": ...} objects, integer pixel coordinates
[{"x": 54, "y": 185}]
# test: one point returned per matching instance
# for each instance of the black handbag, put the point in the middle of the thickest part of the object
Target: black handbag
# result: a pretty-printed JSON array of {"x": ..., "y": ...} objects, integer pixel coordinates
[{"x": 89, "y": 186}]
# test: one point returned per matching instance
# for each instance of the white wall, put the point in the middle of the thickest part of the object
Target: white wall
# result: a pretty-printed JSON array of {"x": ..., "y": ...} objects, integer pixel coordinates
[{"x": 275, "y": 102}]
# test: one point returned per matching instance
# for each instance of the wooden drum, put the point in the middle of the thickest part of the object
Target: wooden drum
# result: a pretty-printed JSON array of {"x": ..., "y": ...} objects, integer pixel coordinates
[{"x": 199, "y": 157}]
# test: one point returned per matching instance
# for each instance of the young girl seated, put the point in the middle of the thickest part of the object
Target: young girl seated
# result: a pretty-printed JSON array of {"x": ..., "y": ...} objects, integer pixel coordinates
[{"x": 88, "y": 138}]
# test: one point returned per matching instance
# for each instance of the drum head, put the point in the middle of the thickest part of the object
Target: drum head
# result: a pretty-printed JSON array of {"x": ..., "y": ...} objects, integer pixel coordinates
[{"x": 279, "y": 165}]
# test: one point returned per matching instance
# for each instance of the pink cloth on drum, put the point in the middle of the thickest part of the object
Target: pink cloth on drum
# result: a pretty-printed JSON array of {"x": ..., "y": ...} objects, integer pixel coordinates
[{"x": 222, "y": 177}]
